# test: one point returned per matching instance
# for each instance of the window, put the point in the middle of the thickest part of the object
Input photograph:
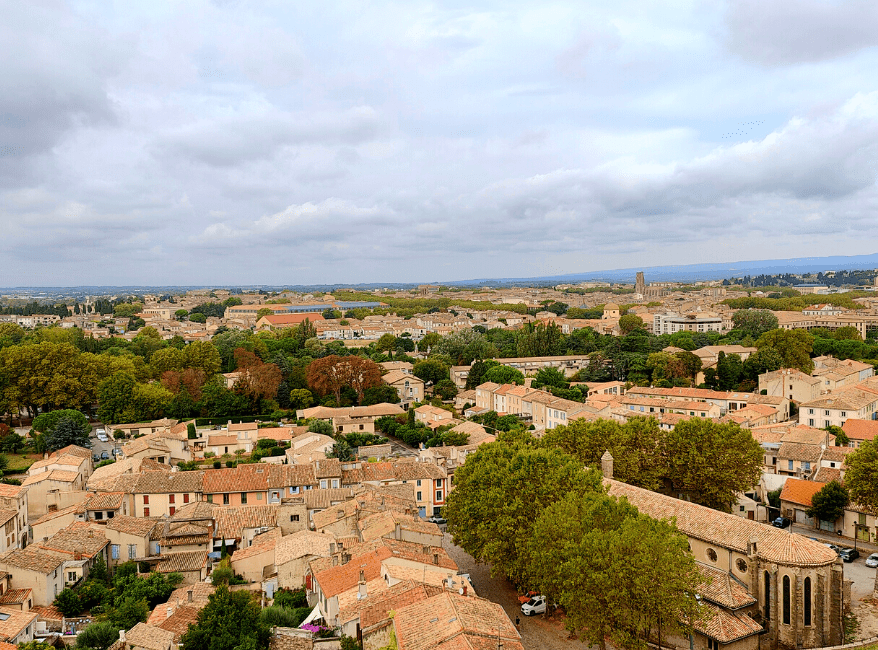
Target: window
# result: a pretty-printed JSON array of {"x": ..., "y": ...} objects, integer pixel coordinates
[
  {"x": 811, "y": 422},
  {"x": 132, "y": 551},
  {"x": 742, "y": 566},
  {"x": 259, "y": 496},
  {"x": 807, "y": 603},
  {"x": 146, "y": 512},
  {"x": 741, "y": 508},
  {"x": 186, "y": 498},
  {"x": 171, "y": 498},
  {"x": 323, "y": 484},
  {"x": 99, "y": 515},
  {"x": 145, "y": 499},
  {"x": 71, "y": 576},
  {"x": 438, "y": 495},
  {"x": 335, "y": 483},
  {"x": 844, "y": 414},
  {"x": 712, "y": 645},
  {"x": 832, "y": 464},
  {"x": 826, "y": 423},
  {"x": 210, "y": 498},
  {"x": 244, "y": 498},
  {"x": 806, "y": 465},
  {"x": 786, "y": 600},
  {"x": 711, "y": 555},
  {"x": 419, "y": 482},
  {"x": 225, "y": 499},
  {"x": 171, "y": 511},
  {"x": 294, "y": 517},
  {"x": 826, "y": 412},
  {"x": 790, "y": 465},
  {"x": 438, "y": 482},
  {"x": 418, "y": 496},
  {"x": 810, "y": 411},
  {"x": 294, "y": 489},
  {"x": 766, "y": 579},
  {"x": 114, "y": 551}
]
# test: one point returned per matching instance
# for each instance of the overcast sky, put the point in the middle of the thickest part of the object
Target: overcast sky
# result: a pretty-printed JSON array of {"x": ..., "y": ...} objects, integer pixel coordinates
[{"x": 318, "y": 142}]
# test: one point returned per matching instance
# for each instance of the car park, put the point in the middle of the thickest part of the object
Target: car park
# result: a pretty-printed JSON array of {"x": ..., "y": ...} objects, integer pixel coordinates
[
  {"x": 872, "y": 560},
  {"x": 536, "y": 605},
  {"x": 781, "y": 522},
  {"x": 848, "y": 554}
]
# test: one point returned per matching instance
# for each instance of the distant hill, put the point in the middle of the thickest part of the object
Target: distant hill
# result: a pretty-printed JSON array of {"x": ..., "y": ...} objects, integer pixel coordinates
[{"x": 696, "y": 272}]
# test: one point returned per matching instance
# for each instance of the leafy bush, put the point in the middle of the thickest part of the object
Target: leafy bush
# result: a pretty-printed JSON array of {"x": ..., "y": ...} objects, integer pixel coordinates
[
  {"x": 217, "y": 464},
  {"x": 98, "y": 636},
  {"x": 67, "y": 602},
  {"x": 284, "y": 617},
  {"x": 290, "y": 598}
]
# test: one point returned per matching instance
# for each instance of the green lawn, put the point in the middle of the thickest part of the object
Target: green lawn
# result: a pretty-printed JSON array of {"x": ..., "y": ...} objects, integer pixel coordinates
[{"x": 19, "y": 463}]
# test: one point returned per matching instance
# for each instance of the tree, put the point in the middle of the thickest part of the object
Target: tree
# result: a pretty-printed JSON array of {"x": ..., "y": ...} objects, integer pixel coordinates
[
  {"x": 228, "y": 621},
  {"x": 180, "y": 314},
  {"x": 385, "y": 393},
  {"x": 196, "y": 317},
  {"x": 332, "y": 373},
  {"x": 263, "y": 312},
  {"x": 129, "y": 611},
  {"x": 387, "y": 343},
  {"x": 428, "y": 341},
  {"x": 861, "y": 477},
  {"x": 712, "y": 462},
  {"x": 829, "y": 502},
  {"x": 754, "y": 322},
  {"x": 115, "y": 394},
  {"x": 430, "y": 370},
  {"x": 617, "y": 573},
  {"x": 98, "y": 636},
  {"x": 67, "y": 602},
  {"x": 68, "y": 431},
  {"x": 258, "y": 380},
  {"x": 630, "y": 322},
  {"x": 320, "y": 426},
  {"x": 729, "y": 370},
  {"x": 500, "y": 492},
  {"x": 504, "y": 375},
  {"x": 445, "y": 389},
  {"x": 477, "y": 371},
  {"x": 841, "y": 438},
  {"x": 341, "y": 450},
  {"x": 794, "y": 347},
  {"x": 465, "y": 346},
  {"x": 550, "y": 377},
  {"x": 541, "y": 340}
]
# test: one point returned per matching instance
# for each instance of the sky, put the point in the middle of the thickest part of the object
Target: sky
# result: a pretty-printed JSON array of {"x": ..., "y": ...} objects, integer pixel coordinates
[{"x": 239, "y": 143}]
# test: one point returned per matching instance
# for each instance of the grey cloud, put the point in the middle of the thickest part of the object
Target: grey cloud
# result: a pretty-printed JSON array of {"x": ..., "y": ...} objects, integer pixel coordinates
[
  {"x": 231, "y": 141},
  {"x": 784, "y": 32}
]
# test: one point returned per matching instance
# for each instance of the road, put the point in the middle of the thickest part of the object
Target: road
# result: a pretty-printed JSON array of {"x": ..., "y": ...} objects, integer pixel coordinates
[{"x": 537, "y": 632}]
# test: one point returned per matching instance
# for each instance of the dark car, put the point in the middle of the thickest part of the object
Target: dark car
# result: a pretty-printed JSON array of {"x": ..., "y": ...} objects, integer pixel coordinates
[
  {"x": 105, "y": 455},
  {"x": 781, "y": 522},
  {"x": 848, "y": 554}
]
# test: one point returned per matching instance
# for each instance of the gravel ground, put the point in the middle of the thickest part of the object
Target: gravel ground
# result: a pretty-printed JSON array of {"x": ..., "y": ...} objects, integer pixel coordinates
[{"x": 537, "y": 632}]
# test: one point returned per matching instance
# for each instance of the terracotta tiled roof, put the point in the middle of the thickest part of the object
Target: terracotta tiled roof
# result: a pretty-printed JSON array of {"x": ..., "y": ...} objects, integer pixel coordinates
[
  {"x": 60, "y": 475},
  {"x": 47, "y": 613},
  {"x": 232, "y": 520},
  {"x": 11, "y": 491},
  {"x": 32, "y": 558},
  {"x": 14, "y": 622},
  {"x": 256, "y": 549},
  {"x": 374, "y": 610},
  {"x": 340, "y": 578},
  {"x": 131, "y": 525},
  {"x": 319, "y": 499},
  {"x": 49, "y": 516},
  {"x": 804, "y": 435},
  {"x": 72, "y": 450},
  {"x": 860, "y": 429},
  {"x": 798, "y": 451},
  {"x": 179, "y": 621},
  {"x": 104, "y": 478},
  {"x": 168, "y": 482},
  {"x": 327, "y": 468},
  {"x": 450, "y": 621},
  {"x": 727, "y": 530},
  {"x": 301, "y": 544},
  {"x": 15, "y": 597},
  {"x": 104, "y": 501},
  {"x": 183, "y": 561},
  {"x": 837, "y": 454},
  {"x": 723, "y": 589},
  {"x": 256, "y": 477},
  {"x": 724, "y": 626},
  {"x": 149, "y": 637},
  {"x": 201, "y": 592},
  {"x": 216, "y": 439},
  {"x": 79, "y": 537},
  {"x": 146, "y": 443},
  {"x": 384, "y": 523},
  {"x": 6, "y": 515},
  {"x": 800, "y": 492}
]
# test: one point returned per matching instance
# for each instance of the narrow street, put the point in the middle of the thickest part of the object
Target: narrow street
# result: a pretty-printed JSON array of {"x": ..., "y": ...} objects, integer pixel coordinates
[{"x": 537, "y": 632}]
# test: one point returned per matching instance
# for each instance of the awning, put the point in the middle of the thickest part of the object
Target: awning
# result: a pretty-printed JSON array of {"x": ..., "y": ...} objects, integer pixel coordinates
[{"x": 315, "y": 615}]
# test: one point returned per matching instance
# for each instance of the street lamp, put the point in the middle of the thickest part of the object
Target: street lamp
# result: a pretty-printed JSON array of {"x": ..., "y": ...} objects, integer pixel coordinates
[{"x": 856, "y": 530}]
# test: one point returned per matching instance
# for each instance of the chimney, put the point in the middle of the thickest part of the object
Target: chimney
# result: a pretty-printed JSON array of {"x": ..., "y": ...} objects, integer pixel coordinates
[
  {"x": 170, "y": 612},
  {"x": 122, "y": 636},
  {"x": 77, "y": 556},
  {"x": 91, "y": 533},
  {"x": 361, "y": 586},
  {"x": 751, "y": 547},
  {"x": 607, "y": 464},
  {"x": 189, "y": 596},
  {"x": 435, "y": 558},
  {"x": 396, "y": 532},
  {"x": 345, "y": 558}
]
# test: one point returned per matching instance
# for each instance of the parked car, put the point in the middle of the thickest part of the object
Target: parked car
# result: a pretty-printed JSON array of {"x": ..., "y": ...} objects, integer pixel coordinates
[
  {"x": 833, "y": 547},
  {"x": 435, "y": 519},
  {"x": 117, "y": 452},
  {"x": 872, "y": 560},
  {"x": 536, "y": 605},
  {"x": 781, "y": 522},
  {"x": 104, "y": 455},
  {"x": 102, "y": 435},
  {"x": 95, "y": 458},
  {"x": 848, "y": 554}
]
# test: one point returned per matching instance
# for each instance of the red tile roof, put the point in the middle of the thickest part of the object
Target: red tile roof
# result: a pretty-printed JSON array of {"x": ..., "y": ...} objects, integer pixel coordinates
[
  {"x": 800, "y": 492},
  {"x": 861, "y": 429}
]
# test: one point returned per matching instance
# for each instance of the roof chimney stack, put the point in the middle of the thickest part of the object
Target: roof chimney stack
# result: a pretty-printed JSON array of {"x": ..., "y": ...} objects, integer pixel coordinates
[{"x": 607, "y": 464}]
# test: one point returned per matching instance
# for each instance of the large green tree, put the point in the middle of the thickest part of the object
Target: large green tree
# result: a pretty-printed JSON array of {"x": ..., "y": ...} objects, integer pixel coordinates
[
  {"x": 430, "y": 370},
  {"x": 829, "y": 502},
  {"x": 617, "y": 573},
  {"x": 861, "y": 477},
  {"x": 68, "y": 431},
  {"x": 504, "y": 375},
  {"x": 754, "y": 322},
  {"x": 230, "y": 620},
  {"x": 794, "y": 347},
  {"x": 711, "y": 462},
  {"x": 499, "y": 492}
]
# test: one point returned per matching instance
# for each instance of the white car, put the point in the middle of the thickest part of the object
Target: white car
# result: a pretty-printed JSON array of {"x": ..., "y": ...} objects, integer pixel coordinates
[
  {"x": 102, "y": 435},
  {"x": 536, "y": 605},
  {"x": 872, "y": 560}
]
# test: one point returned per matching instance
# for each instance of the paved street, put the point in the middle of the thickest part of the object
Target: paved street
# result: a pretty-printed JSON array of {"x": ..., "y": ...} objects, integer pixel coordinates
[{"x": 537, "y": 633}]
